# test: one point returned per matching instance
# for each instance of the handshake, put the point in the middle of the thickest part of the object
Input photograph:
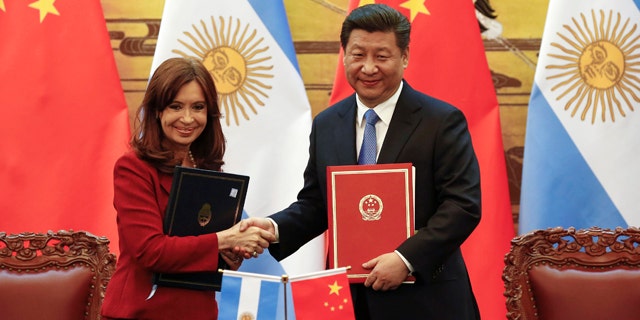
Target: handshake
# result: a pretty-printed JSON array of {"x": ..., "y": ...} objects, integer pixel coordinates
[{"x": 247, "y": 239}]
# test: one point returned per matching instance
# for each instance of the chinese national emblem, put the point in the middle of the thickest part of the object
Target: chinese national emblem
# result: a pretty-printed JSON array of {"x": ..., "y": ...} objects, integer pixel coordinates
[{"x": 371, "y": 207}]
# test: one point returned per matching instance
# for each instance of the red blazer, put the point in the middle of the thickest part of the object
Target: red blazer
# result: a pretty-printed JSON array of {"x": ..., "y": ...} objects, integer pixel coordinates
[{"x": 140, "y": 197}]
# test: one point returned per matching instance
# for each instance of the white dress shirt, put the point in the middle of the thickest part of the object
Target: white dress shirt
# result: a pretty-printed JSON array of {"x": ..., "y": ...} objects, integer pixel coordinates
[{"x": 384, "y": 112}]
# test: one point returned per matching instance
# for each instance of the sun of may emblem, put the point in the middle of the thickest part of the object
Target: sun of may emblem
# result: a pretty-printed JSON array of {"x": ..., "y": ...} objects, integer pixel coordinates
[
  {"x": 237, "y": 59},
  {"x": 598, "y": 74}
]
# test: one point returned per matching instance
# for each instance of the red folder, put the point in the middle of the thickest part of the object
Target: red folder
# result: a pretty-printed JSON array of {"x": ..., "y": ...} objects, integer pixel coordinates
[{"x": 370, "y": 210}]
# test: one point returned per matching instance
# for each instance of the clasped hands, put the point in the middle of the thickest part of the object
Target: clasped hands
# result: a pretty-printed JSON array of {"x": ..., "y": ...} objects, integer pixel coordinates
[{"x": 247, "y": 239}]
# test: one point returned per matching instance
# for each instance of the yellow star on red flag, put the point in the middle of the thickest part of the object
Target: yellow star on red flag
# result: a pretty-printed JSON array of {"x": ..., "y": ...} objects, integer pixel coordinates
[
  {"x": 416, "y": 7},
  {"x": 335, "y": 288},
  {"x": 2, "y": 7},
  {"x": 363, "y": 2},
  {"x": 45, "y": 7}
]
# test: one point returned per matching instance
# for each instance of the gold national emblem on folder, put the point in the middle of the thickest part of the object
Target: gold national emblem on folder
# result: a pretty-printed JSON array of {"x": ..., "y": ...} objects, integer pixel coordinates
[
  {"x": 371, "y": 207},
  {"x": 204, "y": 215}
]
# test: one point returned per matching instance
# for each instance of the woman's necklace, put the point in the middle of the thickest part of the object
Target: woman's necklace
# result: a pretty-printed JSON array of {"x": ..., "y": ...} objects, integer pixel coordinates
[{"x": 192, "y": 159}]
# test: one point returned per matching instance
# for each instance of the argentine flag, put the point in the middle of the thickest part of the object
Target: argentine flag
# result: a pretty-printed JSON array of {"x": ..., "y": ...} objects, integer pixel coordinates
[
  {"x": 250, "y": 296},
  {"x": 582, "y": 142},
  {"x": 247, "y": 46}
]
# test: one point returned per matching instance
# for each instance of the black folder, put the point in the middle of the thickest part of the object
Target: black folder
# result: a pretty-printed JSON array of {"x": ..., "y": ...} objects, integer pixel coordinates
[{"x": 201, "y": 202}]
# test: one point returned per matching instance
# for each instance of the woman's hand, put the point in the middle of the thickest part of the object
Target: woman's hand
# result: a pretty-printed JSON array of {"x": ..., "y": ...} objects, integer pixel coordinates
[
  {"x": 248, "y": 243},
  {"x": 233, "y": 260}
]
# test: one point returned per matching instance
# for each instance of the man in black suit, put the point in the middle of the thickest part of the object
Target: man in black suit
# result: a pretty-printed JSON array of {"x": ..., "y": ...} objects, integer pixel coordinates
[{"x": 412, "y": 127}]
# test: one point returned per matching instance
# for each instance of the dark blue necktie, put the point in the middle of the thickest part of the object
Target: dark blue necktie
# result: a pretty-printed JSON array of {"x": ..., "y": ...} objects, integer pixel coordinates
[{"x": 368, "y": 150}]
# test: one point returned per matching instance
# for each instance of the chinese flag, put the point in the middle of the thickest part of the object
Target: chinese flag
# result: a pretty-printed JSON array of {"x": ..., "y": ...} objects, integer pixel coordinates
[
  {"x": 322, "y": 295},
  {"x": 447, "y": 61},
  {"x": 65, "y": 118}
]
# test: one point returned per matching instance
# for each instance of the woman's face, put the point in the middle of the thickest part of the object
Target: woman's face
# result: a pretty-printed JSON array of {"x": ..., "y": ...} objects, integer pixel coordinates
[{"x": 184, "y": 119}]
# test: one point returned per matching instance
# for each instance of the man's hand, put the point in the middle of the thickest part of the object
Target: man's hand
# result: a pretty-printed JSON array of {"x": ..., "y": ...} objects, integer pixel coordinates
[
  {"x": 388, "y": 271},
  {"x": 262, "y": 223},
  {"x": 248, "y": 243},
  {"x": 251, "y": 223}
]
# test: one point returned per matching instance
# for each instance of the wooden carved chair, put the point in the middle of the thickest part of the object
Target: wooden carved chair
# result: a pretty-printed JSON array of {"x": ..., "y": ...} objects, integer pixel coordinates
[
  {"x": 573, "y": 274},
  {"x": 58, "y": 275}
]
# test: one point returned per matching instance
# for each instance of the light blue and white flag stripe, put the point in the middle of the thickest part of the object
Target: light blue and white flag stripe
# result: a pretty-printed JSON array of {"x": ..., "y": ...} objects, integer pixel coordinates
[
  {"x": 255, "y": 296},
  {"x": 582, "y": 143}
]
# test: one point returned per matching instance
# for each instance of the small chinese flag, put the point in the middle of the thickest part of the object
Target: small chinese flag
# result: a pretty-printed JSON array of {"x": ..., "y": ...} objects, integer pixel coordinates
[{"x": 322, "y": 295}]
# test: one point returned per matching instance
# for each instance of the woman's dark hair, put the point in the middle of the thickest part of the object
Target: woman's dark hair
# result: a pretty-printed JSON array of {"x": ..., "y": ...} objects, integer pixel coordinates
[
  {"x": 377, "y": 17},
  {"x": 148, "y": 140}
]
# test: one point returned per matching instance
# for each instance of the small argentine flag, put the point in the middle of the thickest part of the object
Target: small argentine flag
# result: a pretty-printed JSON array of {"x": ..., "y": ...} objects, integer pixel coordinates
[{"x": 249, "y": 296}]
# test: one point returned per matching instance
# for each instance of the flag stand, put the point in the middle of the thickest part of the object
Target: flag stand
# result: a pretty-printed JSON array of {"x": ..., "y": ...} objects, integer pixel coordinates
[{"x": 285, "y": 279}]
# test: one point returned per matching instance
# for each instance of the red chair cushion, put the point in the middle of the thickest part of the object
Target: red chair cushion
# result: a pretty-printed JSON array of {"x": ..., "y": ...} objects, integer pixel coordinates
[
  {"x": 53, "y": 294},
  {"x": 583, "y": 294}
]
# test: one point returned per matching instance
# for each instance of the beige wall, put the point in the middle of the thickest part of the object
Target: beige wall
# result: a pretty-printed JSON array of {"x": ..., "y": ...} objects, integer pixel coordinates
[{"x": 315, "y": 26}]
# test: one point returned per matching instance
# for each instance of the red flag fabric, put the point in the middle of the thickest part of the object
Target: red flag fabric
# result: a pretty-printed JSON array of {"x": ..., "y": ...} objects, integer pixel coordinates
[
  {"x": 65, "y": 118},
  {"x": 447, "y": 61},
  {"x": 322, "y": 295}
]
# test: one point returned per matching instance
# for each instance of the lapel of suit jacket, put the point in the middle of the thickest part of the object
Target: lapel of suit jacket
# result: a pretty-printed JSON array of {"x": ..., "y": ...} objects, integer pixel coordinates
[
  {"x": 403, "y": 123},
  {"x": 344, "y": 133}
]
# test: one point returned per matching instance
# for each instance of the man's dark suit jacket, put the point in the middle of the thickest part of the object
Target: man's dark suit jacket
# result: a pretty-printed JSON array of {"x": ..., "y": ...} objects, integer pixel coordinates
[{"x": 434, "y": 137}]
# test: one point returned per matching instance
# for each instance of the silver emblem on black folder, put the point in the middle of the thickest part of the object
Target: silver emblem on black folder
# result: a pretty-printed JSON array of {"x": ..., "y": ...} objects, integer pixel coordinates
[{"x": 204, "y": 216}]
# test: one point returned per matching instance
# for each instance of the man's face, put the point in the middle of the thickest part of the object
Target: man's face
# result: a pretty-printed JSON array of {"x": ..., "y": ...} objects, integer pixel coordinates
[{"x": 374, "y": 65}]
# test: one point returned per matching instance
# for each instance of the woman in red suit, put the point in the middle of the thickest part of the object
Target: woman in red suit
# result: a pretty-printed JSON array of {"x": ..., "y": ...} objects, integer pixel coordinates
[{"x": 179, "y": 124}]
